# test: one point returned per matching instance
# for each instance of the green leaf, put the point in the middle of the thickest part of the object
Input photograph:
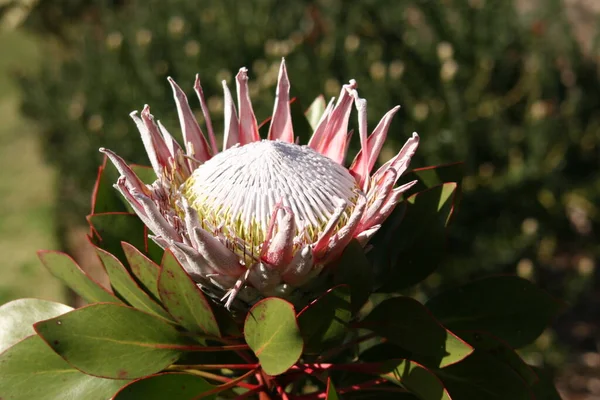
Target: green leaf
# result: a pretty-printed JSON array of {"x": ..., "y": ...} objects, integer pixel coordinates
[
  {"x": 315, "y": 111},
  {"x": 127, "y": 288},
  {"x": 184, "y": 300},
  {"x": 17, "y": 318},
  {"x": 331, "y": 394},
  {"x": 355, "y": 270},
  {"x": 324, "y": 322},
  {"x": 272, "y": 333},
  {"x": 486, "y": 343},
  {"x": 144, "y": 269},
  {"x": 430, "y": 177},
  {"x": 411, "y": 246},
  {"x": 105, "y": 198},
  {"x": 407, "y": 323},
  {"x": 31, "y": 370},
  {"x": 510, "y": 308},
  {"x": 64, "y": 268},
  {"x": 481, "y": 376},
  {"x": 178, "y": 386},
  {"x": 110, "y": 229},
  {"x": 415, "y": 378},
  {"x": 113, "y": 341}
]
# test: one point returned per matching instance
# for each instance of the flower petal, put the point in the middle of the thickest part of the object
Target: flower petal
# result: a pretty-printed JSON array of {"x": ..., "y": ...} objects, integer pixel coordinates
[
  {"x": 374, "y": 143},
  {"x": 232, "y": 128},
  {"x": 401, "y": 161},
  {"x": 248, "y": 126},
  {"x": 300, "y": 267},
  {"x": 281, "y": 125},
  {"x": 193, "y": 138},
  {"x": 277, "y": 251},
  {"x": 218, "y": 256},
  {"x": 206, "y": 114},
  {"x": 132, "y": 179}
]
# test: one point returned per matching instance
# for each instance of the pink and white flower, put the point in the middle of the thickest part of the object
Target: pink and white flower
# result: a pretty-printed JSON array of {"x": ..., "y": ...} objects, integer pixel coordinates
[{"x": 262, "y": 217}]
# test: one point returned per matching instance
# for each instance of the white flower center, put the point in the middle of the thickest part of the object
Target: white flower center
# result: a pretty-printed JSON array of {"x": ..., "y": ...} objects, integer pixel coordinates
[{"x": 237, "y": 190}]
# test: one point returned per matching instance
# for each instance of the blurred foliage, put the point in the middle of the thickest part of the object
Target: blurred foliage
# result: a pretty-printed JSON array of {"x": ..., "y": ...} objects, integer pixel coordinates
[{"x": 511, "y": 94}]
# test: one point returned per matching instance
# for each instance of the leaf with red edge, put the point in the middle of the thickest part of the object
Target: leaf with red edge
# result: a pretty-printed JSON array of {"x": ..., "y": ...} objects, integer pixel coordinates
[
  {"x": 494, "y": 347},
  {"x": 415, "y": 378},
  {"x": 331, "y": 394},
  {"x": 407, "y": 323},
  {"x": 184, "y": 300},
  {"x": 171, "y": 385},
  {"x": 481, "y": 376},
  {"x": 271, "y": 331},
  {"x": 430, "y": 177},
  {"x": 64, "y": 268},
  {"x": 114, "y": 341},
  {"x": 144, "y": 269},
  {"x": 18, "y": 316},
  {"x": 323, "y": 322},
  {"x": 30, "y": 370},
  {"x": 127, "y": 288}
]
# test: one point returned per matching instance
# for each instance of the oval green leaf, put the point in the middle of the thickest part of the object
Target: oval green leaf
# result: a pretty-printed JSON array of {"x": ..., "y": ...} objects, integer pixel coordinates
[
  {"x": 17, "y": 318},
  {"x": 144, "y": 269},
  {"x": 481, "y": 376},
  {"x": 324, "y": 321},
  {"x": 486, "y": 343},
  {"x": 31, "y": 370},
  {"x": 415, "y": 378},
  {"x": 271, "y": 331},
  {"x": 64, "y": 268},
  {"x": 174, "y": 385},
  {"x": 113, "y": 341},
  {"x": 184, "y": 299},
  {"x": 406, "y": 323},
  {"x": 508, "y": 307},
  {"x": 127, "y": 288}
]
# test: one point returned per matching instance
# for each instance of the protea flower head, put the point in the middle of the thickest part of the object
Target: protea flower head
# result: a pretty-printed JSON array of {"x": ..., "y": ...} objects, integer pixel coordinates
[{"x": 262, "y": 217}]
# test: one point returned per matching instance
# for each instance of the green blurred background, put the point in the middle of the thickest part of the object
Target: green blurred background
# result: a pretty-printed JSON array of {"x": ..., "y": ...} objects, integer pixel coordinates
[{"x": 512, "y": 88}]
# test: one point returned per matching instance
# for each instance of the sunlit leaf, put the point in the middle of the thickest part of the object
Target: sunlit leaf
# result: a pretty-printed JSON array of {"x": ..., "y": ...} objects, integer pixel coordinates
[
  {"x": 127, "y": 287},
  {"x": 184, "y": 300},
  {"x": 64, "y": 268},
  {"x": 272, "y": 333},
  {"x": 30, "y": 370},
  {"x": 17, "y": 318},
  {"x": 144, "y": 269},
  {"x": 113, "y": 341}
]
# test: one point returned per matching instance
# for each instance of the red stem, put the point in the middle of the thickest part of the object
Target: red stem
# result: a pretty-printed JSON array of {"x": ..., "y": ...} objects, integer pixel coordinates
[
  {"x": 207, "y": 367},
  {"x": 347, "y": 389}
]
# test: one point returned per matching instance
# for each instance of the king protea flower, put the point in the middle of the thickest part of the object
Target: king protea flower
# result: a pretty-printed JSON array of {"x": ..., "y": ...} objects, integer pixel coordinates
[{"x": 262, "y": 217}]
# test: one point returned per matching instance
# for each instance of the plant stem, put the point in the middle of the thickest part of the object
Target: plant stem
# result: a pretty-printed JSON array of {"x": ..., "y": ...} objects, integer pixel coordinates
[{"x": 208, "y": 367}]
